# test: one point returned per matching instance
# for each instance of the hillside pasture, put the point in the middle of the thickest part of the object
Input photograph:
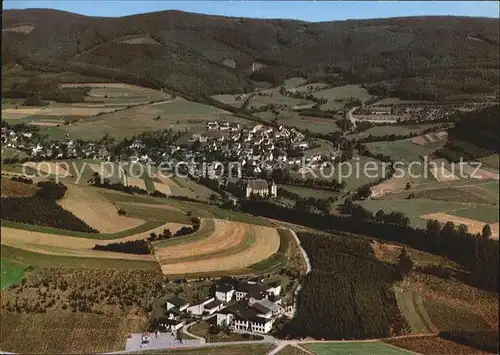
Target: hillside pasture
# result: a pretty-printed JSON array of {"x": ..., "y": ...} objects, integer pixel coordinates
[
  {"x": 228, "y": 99},
  {"x": 411, "y": 306},
  {"x": 96, "y": 211},
  {"x": 312, "y": 124},
  {"x": 231, "y": 246},
  {"x": 338, "y": 96},
  {"x": 38, "y": 260},
  {"x": 401, "y": 150},
  {"x": 53, "y": 244},
  {"x": 414, "y": 209},
  {"x": 179, "y": 115},
  {"x": 477, "y": 194},
  {"x": 119, "y": 93},
  {"x": 396, "y": 129}
]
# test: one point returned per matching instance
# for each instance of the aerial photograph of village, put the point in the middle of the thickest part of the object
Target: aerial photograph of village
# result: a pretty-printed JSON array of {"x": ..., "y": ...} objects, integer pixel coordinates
[{"x": 250, "y": 177}]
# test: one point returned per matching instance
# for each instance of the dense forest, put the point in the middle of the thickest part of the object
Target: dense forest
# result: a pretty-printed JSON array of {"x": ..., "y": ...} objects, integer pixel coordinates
[
  {"x": 41, "y": 209},
  {"x": 419, "y": 58},
  {"x": 475, "y": 135},
  {"x": 348, "y": 290}
]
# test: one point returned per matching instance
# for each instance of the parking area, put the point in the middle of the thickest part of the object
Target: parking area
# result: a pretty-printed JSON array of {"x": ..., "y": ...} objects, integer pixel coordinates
[{"x": 162, "y": 341}]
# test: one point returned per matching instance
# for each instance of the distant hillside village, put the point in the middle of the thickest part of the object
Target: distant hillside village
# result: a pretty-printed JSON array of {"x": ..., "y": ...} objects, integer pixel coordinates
[
  {"x": 245, "y": 152},
  {"x": 243, "y": 305}
]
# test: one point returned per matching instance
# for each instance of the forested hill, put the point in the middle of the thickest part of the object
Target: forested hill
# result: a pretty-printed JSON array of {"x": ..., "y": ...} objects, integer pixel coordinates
[
  {"x": 202, "y": 55},
  {"x": 475, "y": 135}
]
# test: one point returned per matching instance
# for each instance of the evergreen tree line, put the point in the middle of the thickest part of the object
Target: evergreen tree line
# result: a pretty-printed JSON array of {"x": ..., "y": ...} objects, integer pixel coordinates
[
  {"x": 130, "y": 247},
  {"x": 480, "y": 255}
]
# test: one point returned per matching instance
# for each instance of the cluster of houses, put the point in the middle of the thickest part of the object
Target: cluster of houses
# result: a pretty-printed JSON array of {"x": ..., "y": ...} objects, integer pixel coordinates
[
  {"x": 67, "y": 148},
  {"x": 246, "y": 305}
]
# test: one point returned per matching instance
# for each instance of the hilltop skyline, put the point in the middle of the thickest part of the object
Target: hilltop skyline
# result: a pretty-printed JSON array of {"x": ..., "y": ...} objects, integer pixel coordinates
[{"x": 306, "y": 11}]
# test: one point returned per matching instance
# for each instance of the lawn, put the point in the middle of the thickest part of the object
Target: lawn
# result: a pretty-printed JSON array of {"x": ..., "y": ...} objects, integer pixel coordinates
[
  {"x": 353, "y": 348},
  {"x": 45, "y": 260},
  {"x": 12, "y": 272}
]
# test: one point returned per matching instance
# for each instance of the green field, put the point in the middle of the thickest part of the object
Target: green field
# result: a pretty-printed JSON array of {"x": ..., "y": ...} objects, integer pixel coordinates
[
  {"x": 413, "y": 209},
  {"x": 479, "y": 194},
  {"x": 148, "y": 225},
  {"x": 9, "y": 153},
  {"x": 44, "y": 260},
  {"x": 257, "y": 101},
  {"x": 343, "y": 93},
  {"x": 353, "y": 348},
  {"x": 352, "y": 172},
  {"x": 12, "y": 272},
  {"x": 154, "y": 213},
  {"x": 391, "y": 129},
  {"x": 179, "y": 115},
  {"x": 487, "y": 214},
  {"x": 448, "y": 317},
  {"x": 312, "y": 124},
  {"x": 411, "y": 306},
  {"x": 491, "y": 161},
  {"x": 294, "y": 82},
  {"x": 401, "y": 150},
  {"x": 195, "y": 209},
  {"x": 278, "y": 260},
  {"x": 306, "y": 192}
]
